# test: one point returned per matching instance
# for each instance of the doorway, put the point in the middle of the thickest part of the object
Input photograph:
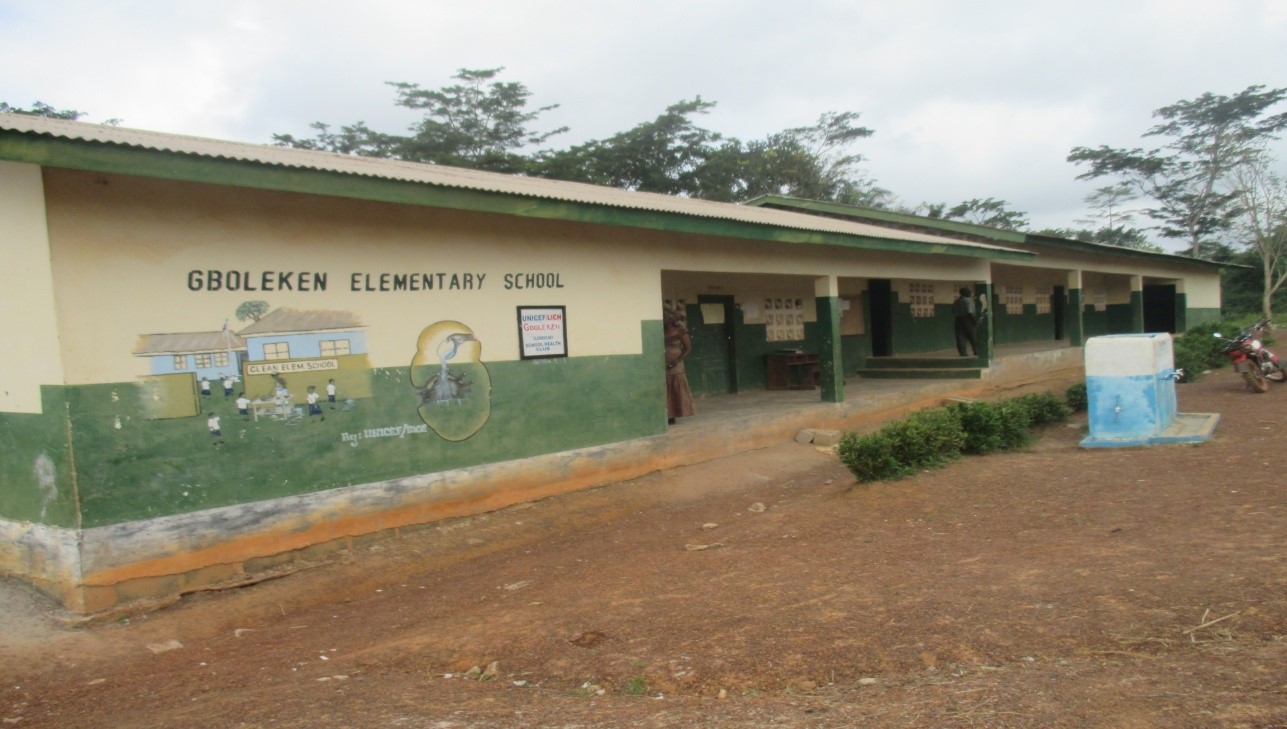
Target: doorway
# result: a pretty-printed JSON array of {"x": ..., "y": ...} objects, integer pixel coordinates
[
  {"x": 1057, "y": 309},
  {"x": 712, "y": 367},
  {"x": 1159, "y": 308},
  {"x": 880, "y": 295}
]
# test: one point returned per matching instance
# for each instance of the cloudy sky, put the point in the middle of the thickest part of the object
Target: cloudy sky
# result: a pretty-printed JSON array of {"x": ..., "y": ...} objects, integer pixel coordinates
[{"x": 977, "y": 98}]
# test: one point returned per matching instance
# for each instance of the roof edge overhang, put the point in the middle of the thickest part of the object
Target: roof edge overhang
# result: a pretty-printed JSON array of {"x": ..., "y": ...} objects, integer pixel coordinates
[
  {"x": 856, "y": 212},
  {"x": 1104, "y": 248},
  {"x": 114, "y": 158},
  {"x": 886, "y": 216}
]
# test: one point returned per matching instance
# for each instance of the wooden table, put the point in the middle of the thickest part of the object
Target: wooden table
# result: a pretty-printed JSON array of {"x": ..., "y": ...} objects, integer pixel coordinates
[{"x": 790, "y": 371}]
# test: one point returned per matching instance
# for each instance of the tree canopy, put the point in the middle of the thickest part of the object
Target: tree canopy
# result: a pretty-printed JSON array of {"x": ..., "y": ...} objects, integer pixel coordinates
[
  {"x": 483, "y": 123},
  {"x": 1186, "y": 176},
  {"x": 40, "y": 108}
]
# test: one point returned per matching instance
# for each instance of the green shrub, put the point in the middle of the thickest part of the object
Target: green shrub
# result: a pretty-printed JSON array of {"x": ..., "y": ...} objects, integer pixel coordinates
[
  {"x": 1198, "y": 350},
  {"x": 991, "y": 427},
  {"x": 931, "y": 438},
  {"x": 1076, "y": 398},
  {"x": 870, "y": 457},
  {"x": 1043, "y": 408},
  {"x": 1016, "y": 424},
  {"x": 925, "y": 438}
]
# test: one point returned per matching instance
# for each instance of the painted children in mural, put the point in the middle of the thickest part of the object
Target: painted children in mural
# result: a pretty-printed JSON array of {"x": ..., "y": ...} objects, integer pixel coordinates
[
  {"x": 679, "y": 399},
  {"x": 314, "y": 407},
  {"x": 227, "y": 386},
  {"x": 330, "y": 392},
  {"x": 212, "y": 424},
  {"x": 243, "y": 406},
  {"x": 966, "y": 317},
  {"x": 205, "y": 387}
]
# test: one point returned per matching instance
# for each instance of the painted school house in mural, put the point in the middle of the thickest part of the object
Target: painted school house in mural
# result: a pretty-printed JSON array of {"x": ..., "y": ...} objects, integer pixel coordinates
[{"x": 435, "y": 341}]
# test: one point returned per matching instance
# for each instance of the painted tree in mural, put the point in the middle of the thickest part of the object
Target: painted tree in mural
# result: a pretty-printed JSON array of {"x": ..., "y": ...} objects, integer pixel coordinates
[
  {"x": 1188, "y": 176},
  {"x": 251, "y": 310}
]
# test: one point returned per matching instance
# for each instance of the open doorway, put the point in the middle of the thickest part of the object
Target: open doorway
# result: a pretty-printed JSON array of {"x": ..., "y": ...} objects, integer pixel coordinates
[{"x": 712, "y": 366}]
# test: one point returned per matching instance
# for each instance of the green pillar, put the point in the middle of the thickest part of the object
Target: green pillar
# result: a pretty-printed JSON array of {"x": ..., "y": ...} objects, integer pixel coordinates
[
  {"x": 1181, "y": 313},
  {"x": 1075, "y": 319},
  {"x": 831, "y": 368},
  {"x": 983, "y": 292}
]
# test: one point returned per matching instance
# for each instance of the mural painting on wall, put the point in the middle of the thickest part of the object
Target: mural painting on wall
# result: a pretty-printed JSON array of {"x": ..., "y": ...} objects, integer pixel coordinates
[
  {"x": 284, "y": 361},
  {"x": 290, "y": 366},
  {"x": 452, "y": 383}
]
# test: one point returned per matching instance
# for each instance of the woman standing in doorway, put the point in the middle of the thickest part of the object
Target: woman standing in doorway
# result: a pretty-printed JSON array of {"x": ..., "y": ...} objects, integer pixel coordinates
[{"x": 679, "y": 399}]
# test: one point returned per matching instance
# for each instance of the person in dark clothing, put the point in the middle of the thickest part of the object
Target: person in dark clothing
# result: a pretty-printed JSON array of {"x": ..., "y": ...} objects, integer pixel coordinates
[{"x": 966, "y": 316}]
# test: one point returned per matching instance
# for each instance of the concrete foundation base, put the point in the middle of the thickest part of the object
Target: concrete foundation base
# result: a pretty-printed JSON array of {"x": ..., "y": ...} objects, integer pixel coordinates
[{"x": 1186, "y": 428}]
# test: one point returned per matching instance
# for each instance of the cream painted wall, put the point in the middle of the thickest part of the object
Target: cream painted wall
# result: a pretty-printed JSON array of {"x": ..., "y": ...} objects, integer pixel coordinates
[
  {"x": 1116, "y": 289},
  {"x": 27, "y": 291},
  {"x": 748, "y": 290},
  {"x": 1201, "y": 293},
  {"x": 1201, "y": 283},
  {"x": 123, "y": 249}
]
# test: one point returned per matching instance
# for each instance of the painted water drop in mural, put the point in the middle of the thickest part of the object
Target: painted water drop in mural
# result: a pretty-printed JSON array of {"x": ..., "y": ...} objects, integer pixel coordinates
[{"x": 453, "y": 387}]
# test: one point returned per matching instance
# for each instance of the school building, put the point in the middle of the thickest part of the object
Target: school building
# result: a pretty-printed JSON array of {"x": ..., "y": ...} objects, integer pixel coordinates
[{"x": 492, "y": 339}]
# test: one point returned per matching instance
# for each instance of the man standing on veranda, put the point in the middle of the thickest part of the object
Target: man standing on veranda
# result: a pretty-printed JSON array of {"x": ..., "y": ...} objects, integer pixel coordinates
[{"x": 966, "y": 316}]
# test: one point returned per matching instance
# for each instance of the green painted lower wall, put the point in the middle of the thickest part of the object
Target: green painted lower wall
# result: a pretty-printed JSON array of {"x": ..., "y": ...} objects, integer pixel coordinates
[
  {"x": 1026, "y": 327},
  {"x": 922, "y": 334},
  {"x": 1196, "y": 316},
  {"x": 855, "y": 349},
  {"x": 1114, "y": 319},
  {"x": 149, "y": 468},
  {"x": 36, "y": 482}
]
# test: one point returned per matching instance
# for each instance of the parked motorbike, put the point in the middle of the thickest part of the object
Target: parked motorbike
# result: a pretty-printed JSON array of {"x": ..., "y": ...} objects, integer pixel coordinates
[{"x": 1256, "y": 364}]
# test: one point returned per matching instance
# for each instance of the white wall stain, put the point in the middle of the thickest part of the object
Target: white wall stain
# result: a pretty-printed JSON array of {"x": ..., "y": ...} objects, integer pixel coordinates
[{"x": 46, "y": 479}]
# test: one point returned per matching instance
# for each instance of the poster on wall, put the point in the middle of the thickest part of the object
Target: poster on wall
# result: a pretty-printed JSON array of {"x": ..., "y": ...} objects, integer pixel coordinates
[{"x": 542, "y": 332}]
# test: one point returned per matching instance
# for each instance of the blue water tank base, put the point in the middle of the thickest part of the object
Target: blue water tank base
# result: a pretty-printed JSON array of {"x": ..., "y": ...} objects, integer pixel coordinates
[{"x": 1130, "y": 392}]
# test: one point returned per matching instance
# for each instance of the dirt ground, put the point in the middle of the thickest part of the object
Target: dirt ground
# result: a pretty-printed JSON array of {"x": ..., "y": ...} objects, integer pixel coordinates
[{"x": 1054, "y": 587}]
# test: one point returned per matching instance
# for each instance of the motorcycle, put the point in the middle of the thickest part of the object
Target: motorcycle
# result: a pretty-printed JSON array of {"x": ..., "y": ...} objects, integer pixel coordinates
[{"x": 1256, "y": 364}]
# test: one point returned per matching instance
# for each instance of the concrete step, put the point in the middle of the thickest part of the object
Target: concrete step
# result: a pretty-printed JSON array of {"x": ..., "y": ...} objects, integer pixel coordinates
[
  {"x": 915, "y": 373},
  {"x": 922, "y": 363}
]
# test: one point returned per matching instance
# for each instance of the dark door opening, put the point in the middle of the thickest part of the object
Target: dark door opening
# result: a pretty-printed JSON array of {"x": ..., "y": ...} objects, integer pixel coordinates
[
  {"x": 1159, "y": 308},
  {"x": 1057, "y": 310},
  {"x": 880, "y": 302}
]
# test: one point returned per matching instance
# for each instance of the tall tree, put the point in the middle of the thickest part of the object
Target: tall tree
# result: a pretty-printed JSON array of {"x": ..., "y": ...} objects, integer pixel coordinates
[
  {"x": 1208, "y": 137},
  {"x": 662, "y": 155},
  {"x": 40, "y": 108},
  {"x": 988, "y": 211},
  {"x": 1120, "y": 236},
  {"x": 1262, "y": 201},
  {"x": 480, "y": 123},
  {"x": 1110, "y": 205}
]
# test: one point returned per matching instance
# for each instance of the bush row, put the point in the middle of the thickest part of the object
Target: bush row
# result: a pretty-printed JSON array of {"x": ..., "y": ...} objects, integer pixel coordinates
[{"x": 931, "y": 438}]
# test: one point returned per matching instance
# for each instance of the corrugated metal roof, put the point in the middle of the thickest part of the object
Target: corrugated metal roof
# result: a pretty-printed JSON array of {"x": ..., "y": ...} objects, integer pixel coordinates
[
  {"x": 286, "y": 321},
  {"x": 187, "y": 343},
  {"x": 456, "y": 177}
]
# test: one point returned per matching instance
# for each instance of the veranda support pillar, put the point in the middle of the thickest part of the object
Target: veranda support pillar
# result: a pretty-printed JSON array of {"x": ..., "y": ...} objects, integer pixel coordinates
[
  {"x": 831, "y": 370},
  {"x": 1075, "y": 313}
]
